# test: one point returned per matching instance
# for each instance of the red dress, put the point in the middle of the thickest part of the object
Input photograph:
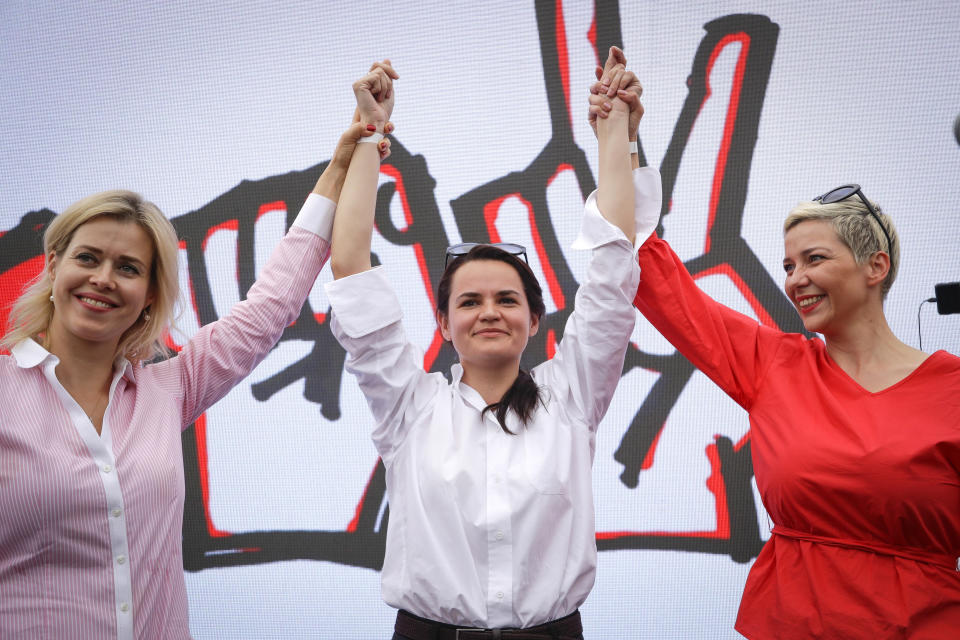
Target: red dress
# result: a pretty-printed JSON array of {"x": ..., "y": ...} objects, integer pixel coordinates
[{"x": 863, "y": 488}]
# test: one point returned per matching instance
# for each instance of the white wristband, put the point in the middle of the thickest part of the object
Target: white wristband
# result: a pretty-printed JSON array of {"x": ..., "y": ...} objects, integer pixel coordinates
[
  {"x": 377, "y": 137},
  {"x": 633, "y": 147}
]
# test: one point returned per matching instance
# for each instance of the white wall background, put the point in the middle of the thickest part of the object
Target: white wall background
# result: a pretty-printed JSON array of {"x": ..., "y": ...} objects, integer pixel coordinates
[{"x": 182, "y": 100}]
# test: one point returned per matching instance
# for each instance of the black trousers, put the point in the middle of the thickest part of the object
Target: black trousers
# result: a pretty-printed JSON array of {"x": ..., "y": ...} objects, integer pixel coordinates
[{"x": 397, "y": 636}]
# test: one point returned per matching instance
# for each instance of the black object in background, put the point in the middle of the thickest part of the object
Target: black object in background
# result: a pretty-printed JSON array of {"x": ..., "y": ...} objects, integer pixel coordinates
[{"x": 948, "y": 297}]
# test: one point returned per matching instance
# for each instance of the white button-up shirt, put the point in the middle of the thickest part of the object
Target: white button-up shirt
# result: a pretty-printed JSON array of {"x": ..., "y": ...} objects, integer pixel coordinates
[{"x": 489, "y": 529}]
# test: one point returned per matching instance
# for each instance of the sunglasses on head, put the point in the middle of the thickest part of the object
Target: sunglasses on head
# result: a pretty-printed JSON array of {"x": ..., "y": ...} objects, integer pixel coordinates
[
  {"x": 462, "y": 249},
  {"x": 850, "y": 190}
]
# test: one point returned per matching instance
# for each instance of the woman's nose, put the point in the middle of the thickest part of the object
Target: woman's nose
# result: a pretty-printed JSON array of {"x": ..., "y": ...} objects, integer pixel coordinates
[
  {"x": 102, "y": 277},
  {"x": 489, "y": 311}
]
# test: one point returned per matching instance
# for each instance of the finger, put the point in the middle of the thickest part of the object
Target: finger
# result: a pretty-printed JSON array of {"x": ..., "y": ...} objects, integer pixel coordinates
[
  {"x": 386, "y": 67},
  {"x": 631, "y": 98},
  {"x": 353, "y": 133},
  {"x": 388, "y": 128},
  {"x": 596, "y": 88},
  {"x": 630, "y": 82},
  {"x": 601, "y": 101},
  {"x": 617, "y": 54},
  {"x": 598, "y": 71},
  {"x": 611, "y": 62},
  {"x": 609, "y": 77},
  {"x": 615, "y": 81},
  {"x": 597, "y": 112}
]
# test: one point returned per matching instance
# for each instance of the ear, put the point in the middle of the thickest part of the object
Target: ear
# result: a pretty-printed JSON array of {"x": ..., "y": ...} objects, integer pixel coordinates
[
  {"x": 51, "y": 265},
  {"x": 444, "y": 325},
  {"x": 877, "y": 268},
  {"x": 534, "y": 324},
  {"x": 151, "y": 296}
]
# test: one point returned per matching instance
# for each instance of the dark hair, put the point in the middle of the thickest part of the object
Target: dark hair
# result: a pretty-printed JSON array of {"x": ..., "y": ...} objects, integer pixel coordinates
[{"x": 524, "y": 394}]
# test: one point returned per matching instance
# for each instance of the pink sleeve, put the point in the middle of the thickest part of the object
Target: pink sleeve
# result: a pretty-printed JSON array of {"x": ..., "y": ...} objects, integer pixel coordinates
[{"x": 224, "y": 352}]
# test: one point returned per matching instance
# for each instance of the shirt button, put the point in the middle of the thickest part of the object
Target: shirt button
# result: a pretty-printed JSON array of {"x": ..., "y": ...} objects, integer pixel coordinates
[
  {"x": 124, "y": 607},
  {"x": 107, "y": 468},
  {"x": 121, "y": 559},
  {"x": 116, "y": 513},
  {"x": 499, "y": 535},
  {"x": 499, "y": 595}
]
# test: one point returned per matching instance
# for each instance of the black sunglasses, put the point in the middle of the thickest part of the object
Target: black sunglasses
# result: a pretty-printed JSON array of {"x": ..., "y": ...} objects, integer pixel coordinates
[
  {"x": 462, "y": 249},
  {"x": 847, "y": 191}
]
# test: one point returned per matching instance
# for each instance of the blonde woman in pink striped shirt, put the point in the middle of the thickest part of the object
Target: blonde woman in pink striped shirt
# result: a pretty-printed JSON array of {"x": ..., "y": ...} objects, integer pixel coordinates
[{"x": 91, "y": 471}]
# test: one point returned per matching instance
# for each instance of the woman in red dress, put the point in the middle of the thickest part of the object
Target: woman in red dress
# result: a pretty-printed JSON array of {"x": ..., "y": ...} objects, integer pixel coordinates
[{"x": 855, "y": 436}]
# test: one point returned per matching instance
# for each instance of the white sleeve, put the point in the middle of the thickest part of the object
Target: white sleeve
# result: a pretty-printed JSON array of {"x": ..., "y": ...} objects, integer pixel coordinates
[
  {"x": 589, "y": 358},
  {"x": 388, "y": 368}
]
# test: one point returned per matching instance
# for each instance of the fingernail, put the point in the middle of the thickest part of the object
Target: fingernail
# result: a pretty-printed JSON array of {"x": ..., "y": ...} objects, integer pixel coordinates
[
  {"x": 607, "y": 105},
  {"x": 371, "y": 127}
]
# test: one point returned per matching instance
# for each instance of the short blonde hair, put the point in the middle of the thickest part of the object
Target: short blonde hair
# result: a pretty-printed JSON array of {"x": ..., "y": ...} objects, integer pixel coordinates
[
  {"x": 32, "y": 313},
  {"x": 856, "y": 228}
]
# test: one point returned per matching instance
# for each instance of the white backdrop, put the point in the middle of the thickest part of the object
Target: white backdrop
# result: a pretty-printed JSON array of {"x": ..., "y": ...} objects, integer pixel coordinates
[{"x": 183, "y": 100}]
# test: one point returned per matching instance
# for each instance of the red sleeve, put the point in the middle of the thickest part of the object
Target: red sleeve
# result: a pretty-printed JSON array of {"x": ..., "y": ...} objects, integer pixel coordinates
[{"x": 732, "y": 349}]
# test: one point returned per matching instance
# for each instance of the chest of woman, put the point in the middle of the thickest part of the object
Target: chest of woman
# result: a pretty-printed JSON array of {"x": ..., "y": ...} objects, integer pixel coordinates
[
  {"x": 58, "y": 476},
  {"x": 458, "y": 455},
  {"x": 832, "y": 458}
]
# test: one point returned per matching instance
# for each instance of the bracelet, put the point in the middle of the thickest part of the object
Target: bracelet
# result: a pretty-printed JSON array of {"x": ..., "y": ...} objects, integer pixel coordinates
[
  {"x": 374, "y": 138},
  {"x": 633, "y": 147}
]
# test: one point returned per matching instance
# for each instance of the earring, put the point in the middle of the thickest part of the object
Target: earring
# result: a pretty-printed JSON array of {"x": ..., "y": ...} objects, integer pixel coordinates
[
  {"x": 146, "y": 315},
  {"x": 51, "y": 297}
]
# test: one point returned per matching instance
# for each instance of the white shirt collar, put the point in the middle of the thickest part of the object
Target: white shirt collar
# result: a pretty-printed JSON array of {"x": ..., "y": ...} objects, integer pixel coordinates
[{"x": 28, "y": 353}]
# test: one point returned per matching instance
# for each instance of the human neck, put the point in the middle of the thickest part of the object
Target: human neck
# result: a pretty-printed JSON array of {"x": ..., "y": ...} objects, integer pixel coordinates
[
  {"x": 869, "y": 352},
  {"x": 85, "y": 367},
  {"x": 491, "y": 382}
]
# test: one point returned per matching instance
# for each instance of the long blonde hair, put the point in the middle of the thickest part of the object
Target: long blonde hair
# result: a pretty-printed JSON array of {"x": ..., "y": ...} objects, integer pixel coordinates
[{"x": 32, "y": 313}]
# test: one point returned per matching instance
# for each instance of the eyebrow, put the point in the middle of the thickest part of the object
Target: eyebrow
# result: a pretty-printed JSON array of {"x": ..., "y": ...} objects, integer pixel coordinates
[
  {"x": 99, "y": 252},
  {"x": 475, "y": 294},
  {"x": 807, "y": 252}
]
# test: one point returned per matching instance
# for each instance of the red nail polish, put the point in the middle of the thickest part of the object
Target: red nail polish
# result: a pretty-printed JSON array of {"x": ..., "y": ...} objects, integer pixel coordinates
[{"x": 371, "y": 127}]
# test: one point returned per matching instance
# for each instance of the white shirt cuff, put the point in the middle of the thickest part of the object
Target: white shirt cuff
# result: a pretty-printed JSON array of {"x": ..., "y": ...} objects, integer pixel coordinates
[
  {"x": 316, "y": 216},
  {"x": 363, "y": 302},
  {"x": 595, "y": 230}
]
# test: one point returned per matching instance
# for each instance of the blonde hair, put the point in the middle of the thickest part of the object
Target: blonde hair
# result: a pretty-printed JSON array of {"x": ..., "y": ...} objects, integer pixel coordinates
[
  {"x": 856, "y": 228},
  {"x": 32, "y": 313}
]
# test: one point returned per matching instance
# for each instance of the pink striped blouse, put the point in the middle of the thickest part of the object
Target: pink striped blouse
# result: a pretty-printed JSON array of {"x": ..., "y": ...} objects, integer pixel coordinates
[{"x": 90, "y": 525}]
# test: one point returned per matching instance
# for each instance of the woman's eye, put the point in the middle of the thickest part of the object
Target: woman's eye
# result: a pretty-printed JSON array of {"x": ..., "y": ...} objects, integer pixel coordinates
[
  {"x": 508, "y": 301},
  {"x": 129, "y": 269},
  {"x": 85, "y": 258},
  {"x": 815, "y": 257},
  {"x": 788, "y": 268}
]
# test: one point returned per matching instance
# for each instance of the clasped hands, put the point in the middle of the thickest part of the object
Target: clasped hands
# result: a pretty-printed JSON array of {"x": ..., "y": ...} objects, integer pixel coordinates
[{"x": 616, "y": 90}]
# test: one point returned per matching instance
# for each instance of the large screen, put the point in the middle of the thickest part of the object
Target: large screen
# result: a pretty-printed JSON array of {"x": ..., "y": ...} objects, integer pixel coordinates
[{"x": 224, "y": 115}]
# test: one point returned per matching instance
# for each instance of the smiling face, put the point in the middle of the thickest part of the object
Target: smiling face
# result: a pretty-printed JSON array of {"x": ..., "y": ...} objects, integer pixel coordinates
[
  {"x": 101, "y": 283},
  {"x": 488, "y": 319},
  {"x": 824, "y": 281}
]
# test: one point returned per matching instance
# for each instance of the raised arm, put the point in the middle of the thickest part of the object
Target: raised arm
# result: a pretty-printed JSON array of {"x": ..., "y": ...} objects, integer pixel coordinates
[
  {"x": 732, "y": 349},
  {"x": 615, "y": 189},
  {"x": 353, "y": 225}
]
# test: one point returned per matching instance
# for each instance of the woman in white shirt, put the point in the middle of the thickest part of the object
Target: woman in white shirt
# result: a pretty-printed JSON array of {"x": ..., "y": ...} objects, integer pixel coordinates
[{"x": 489, "y": 477}]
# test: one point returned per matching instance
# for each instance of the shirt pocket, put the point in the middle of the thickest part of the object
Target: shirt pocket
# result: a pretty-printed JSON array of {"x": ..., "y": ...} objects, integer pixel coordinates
[{"x": 547, "y": 453}]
